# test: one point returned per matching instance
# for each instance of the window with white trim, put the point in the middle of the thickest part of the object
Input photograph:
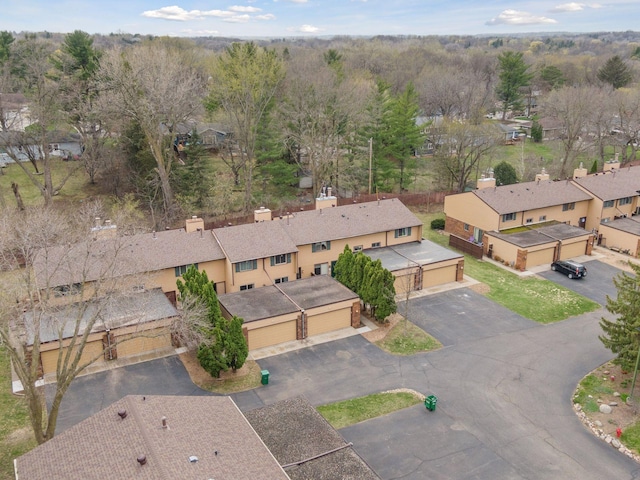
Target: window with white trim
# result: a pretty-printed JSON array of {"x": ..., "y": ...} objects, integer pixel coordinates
[
  {"x": 282, "y": 280},
  {"x": 182, "y": 269},
  {"x": 357, "y": 248},
  {"x": 608, "y": 203},
  {"x": 568, "y": 206},
  {"x": 625, "y": 201},
  {"x": 320, "y": 246},
  {"x": 281, "y": 259},
  {"x": 509, "y": 217},
  {"x": 248, "y": 286},
  {"x": 542, "y": 218},
  {"x": 402, "y": 232},
  {"x": 375, "y": 245},
  {"x": 246, "y": 266}
]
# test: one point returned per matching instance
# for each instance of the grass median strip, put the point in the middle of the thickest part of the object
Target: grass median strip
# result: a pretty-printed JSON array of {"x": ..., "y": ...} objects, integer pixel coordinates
[
  {"x": 356, "y": 410},
  {"x": 405, "y": 338}
]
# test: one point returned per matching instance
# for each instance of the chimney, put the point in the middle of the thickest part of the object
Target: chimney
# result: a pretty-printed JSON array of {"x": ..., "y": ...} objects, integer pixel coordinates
[
  {"x": 611, "y": 164},
  {"x": 326, "y": 199},
  {"x": 194, "y": 224},
  {"x": 542, "y": 176},
  {"x": 262, "y": 215},
  {"x": 580, "y": 172},
  {"x": 485, "y": 182}
]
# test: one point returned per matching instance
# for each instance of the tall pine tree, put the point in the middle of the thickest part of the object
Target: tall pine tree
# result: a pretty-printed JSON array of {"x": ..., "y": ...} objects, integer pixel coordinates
[{"x": 622, "y": 335}]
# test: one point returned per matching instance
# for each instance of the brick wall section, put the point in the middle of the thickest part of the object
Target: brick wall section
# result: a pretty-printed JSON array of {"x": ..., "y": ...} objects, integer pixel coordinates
[
  {"x": 521, "y": 260},
  {"x": 355, "y": 314},
  {"x": 460, "y": 271},
  {"x": 299, "y": 327},
  {"x": 590, "y": 243},
  {"x": 456, "y": 227}
]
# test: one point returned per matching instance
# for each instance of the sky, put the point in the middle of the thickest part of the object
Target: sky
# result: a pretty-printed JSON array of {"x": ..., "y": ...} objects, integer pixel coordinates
[{"x": 314, "y": 18}]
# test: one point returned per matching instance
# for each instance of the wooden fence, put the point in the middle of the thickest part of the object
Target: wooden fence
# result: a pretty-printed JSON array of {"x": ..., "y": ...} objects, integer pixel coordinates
[{"x": 465, "y": 246}]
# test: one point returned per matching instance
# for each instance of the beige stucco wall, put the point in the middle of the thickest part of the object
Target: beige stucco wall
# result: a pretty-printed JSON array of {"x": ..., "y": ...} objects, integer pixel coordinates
[
  {"x": 469, "y": 209},
  {"x": 615, "y": 238},
  {"x": 571, "y": 217},
  {"x": 264, "y": 275}
]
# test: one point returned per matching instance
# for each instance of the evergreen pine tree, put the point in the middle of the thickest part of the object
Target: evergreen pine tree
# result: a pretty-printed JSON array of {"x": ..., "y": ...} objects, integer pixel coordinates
[{"x": 622, "y": 335}]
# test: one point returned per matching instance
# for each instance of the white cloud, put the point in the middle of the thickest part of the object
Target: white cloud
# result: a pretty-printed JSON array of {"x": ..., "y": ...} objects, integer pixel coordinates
[
  {"x": 305, "y": 29},
  {"x": 294, "y": 1},
  {"x": 239, "y": 8},
  {"x": 574, "y": 7},
  {"x": 267, "y": 16},
  {"x": 178, "y": 14},
  {"x": 514, "y": 17},
  {"x": 238, "y": 19},
  {"x": 199, "y": 33},
  {"x": 569, "y": 7}
]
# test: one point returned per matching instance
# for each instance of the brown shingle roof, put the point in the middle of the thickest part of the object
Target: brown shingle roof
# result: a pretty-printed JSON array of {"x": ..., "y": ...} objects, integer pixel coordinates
[
  {"x": 294, "y": 431},
  {"x": 521, "y": 197},
  {"x": 107, "y": 446},
  {"x": 348, "y": 221},
  {"x": 125, "y": 255},
  {"x": 614, "y": 184},
  {"x": 254, "y": 240}
]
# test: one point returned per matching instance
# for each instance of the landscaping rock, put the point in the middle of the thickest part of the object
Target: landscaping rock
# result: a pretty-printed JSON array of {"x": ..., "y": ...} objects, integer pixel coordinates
[
  {"x": 613, "y": 404},
  {"x": 615, "y": 443},
  {"x": 598, "y": 423},
  {"x": 616, "y": 394},
  {"x": 604, "y": 408}
]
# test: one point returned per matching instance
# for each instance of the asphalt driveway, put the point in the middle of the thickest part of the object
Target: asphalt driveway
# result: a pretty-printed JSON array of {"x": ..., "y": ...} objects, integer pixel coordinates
[{"x": 595, "y": 286}]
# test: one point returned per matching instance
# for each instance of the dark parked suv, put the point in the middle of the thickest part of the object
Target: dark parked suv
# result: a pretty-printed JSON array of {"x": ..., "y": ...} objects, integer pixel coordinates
[{"x": 569, "y": 268}]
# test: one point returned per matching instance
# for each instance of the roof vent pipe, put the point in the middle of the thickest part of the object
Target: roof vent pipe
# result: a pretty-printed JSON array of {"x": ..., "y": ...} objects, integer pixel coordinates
[
  {"x": 164, "y": 422},
  {"x": 142, "y": 459},
  {"x": 122, "y": 414}
]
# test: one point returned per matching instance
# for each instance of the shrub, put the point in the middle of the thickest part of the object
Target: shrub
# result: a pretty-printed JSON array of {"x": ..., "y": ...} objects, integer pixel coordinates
[{"x": 437, "y": 224}]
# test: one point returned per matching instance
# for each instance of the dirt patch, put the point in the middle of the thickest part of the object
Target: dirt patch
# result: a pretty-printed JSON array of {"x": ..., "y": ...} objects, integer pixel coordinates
[
  {"x": 481, "y": 288},
  {"x": 203, "y": 379},
  {"x": 18, "y": 436},
  {"x": 383, "y": 328}
]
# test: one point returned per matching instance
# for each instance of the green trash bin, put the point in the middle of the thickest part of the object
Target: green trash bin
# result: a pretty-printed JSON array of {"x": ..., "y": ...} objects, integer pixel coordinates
[
  {"x": 430, "y": 402},
  {"x": 265, "y": 377}
]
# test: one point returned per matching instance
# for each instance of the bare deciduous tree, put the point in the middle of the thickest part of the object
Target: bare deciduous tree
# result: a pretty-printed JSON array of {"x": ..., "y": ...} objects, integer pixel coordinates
[
  {"x": 154, "y": 86},
  {"x": 63, "y": 285}
]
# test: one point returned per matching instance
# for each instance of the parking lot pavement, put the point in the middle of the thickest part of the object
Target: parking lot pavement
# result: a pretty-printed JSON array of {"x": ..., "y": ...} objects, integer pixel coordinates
[
  {"x": 89, "y": 394},
  {"x": 597, "y": 285}
]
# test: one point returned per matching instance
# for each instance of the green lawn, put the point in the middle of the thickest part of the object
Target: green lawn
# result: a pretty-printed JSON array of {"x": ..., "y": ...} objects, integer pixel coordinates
[
  {"x": 16, "y": 437},
  {"x": 405, "y": 338},
  {"x": 349, "y": 412},
  {"x": 534, "y": 298}
]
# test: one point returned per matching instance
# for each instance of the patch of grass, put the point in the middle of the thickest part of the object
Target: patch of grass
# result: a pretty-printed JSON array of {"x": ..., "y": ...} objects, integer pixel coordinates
[
  {"x": 76, "y": 188},
  {"x": 538, "y": 299},
  {"x": 16, "y": 437},
  {"x": 349, "y": 412},
  {"x": 631, "y": 437},
  {"x": 588, "y": 391},
  {"x": 405, "y": 338},
  {"x": 230, "y": 382}
]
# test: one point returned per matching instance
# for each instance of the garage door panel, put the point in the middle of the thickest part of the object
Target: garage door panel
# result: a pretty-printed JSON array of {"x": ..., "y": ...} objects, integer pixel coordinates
[
  {"x": 439, "y": 276},
  {"x": 328, "y": 322},
  {"x": 573, "y": 250},
  {"x": 272, "y": 335},
  {"x": 540, "y": 257}
]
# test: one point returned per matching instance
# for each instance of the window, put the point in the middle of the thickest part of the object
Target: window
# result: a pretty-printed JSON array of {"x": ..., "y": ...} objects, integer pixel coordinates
[
  {"x": 403, "y": 232},
  {"x": 246, "y": 266},
  {"x": 608, "y": 204},
  {"x": 508, "y": 217},
  {"x": 320, "y": 246},
  {"x": 281, "y": 259},
  {"x": 320, "y": 269},
  {"x": 568, "y": 206},
  {"x": 282, "y": 280},
  {"x": 249, "y": 286},
  {"x": 542, "y": 218},
  {"x": 529, "y": 220},
  {"x": 182, "y": 269},
  {"x": 624, "y": 201},
  {"x": 375, "y": 245},
  {"x": 466, "y": 227},
  {"x": 357, "y": 248}
]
